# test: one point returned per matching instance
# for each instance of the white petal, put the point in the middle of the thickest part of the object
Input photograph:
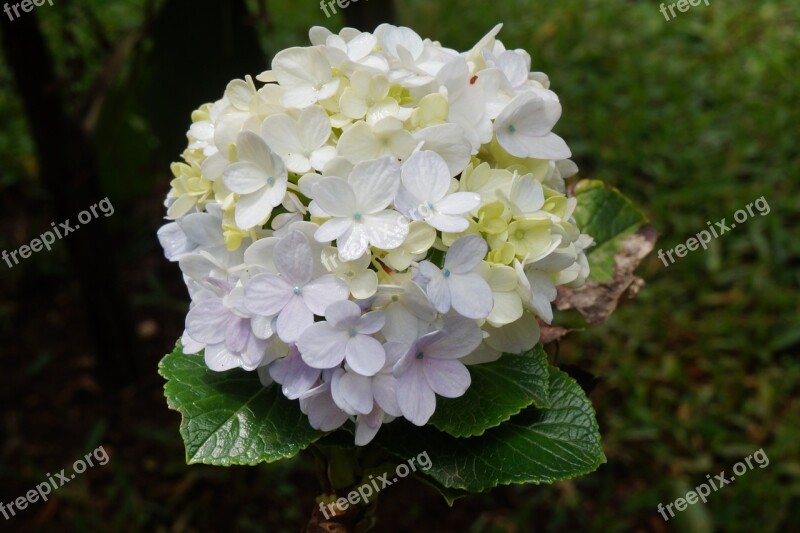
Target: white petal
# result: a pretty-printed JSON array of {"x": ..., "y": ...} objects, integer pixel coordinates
[
  {"x": 458, "y": 203},
  {"x": 507, "y": 308},
  {"x": 253, "y": 209},
  {"x": 219, "y": 359},
  {"x": 375, "y": 183},
  {"x": 426, "y": 176},
  {"x": 333, "y": 229},
  {"x": 244, "y": 177},
  {"x": 550, "y": 146},
  {"x": 280, "y": 133},
  {"x": 387, "y": 229},
  {"x": 335, "y": 196},
  {"x": 364, "y": 285},
  {"x": 359, "y": 143},
  {"x": 353, "y": 243},
  {"x": 313, "y": 127},
  {"x": 251, "y": 147}
]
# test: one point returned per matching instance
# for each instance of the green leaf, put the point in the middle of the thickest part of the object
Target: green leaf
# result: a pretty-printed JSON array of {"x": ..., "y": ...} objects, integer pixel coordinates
[
  {"x": 609, "y": 217},
  {"x": 498, "y": 391},
  {"x": 536, "y": 446},
  {"x": 230, "y": 418}
]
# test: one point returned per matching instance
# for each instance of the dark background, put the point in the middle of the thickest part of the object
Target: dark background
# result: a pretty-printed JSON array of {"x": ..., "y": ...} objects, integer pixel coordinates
[{"x": 693, "y": 118}]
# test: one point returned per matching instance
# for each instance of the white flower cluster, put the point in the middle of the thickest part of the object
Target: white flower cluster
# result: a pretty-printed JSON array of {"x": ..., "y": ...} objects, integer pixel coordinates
[{"x": 379, "y": 213}]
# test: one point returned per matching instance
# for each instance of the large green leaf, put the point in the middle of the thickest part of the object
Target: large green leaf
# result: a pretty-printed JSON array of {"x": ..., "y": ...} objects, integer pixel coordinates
[
  {"x": 230, "y": 418},
  {"x": 609, "y": 217},
  {"x": 536, "y": 446},
  {"x": 498, "y": 391}
]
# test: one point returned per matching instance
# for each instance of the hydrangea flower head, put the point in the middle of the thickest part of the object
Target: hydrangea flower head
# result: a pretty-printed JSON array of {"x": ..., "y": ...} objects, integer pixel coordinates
[{"x": 373, "y": 216}]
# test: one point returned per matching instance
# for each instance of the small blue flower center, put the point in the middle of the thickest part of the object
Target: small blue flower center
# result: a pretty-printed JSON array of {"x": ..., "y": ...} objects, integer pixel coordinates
[
  {"x": 296, "y": 290},
  {"x": 357, "y": 216},
  {"x": 446, "y": 273},
  {"x": 430, "y": 206},
  {"x": 353, "y": 332},
  {"x": 420, "y": 355},
  {"x": 511, "y": 128},
  {"x": 270, "y": 181}
]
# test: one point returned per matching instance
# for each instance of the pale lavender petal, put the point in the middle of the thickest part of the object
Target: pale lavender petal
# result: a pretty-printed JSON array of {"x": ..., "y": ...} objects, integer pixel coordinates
[
  {"x": 365, "y": 355},
  {"x": 293, "y": 320},
  {"x": 236, "y": 334},
  {"x": 189, "y": 345},
  {"x": 471, "y": 295},
  {"x": 293, "y": 258},
  {"x": 447, "y": 378},
  {"x": 461, "y": 336},
  {"x": 352, "y": 392},
  {"x": 295, "y": 376},
  {"x": 367, "y": 426},
  {"x": 266, "y": 294},
  {"x": 343, "y": 315},
  {"x": 439, "y": 293},
  {"x": 320, "y": 293},
  {"x": 465, "y": 254},
  {"x": 371, "y": 322},
  {"x": 207, "y": 321},
  {"x": 323, "y": 414},
  {"x": 415, "y": 397},
  {"x": 322, "y": 346},
  {"x": 253, "y": 353},
  {"x": 384, "y": 389}
]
